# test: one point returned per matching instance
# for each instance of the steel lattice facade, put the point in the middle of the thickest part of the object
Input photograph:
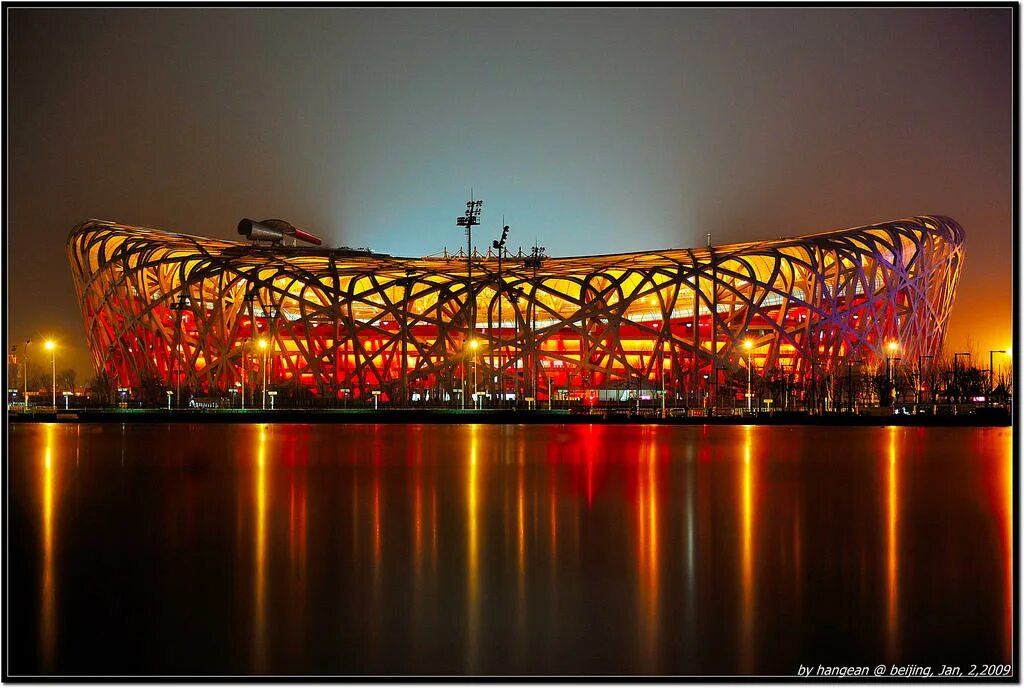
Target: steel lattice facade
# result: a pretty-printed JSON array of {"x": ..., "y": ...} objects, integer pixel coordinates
[{"x": 186, "y": 311}]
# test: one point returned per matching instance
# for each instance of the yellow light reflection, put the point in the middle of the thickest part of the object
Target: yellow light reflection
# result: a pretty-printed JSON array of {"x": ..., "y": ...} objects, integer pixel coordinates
[
  {"x": 1008, "y": 553},
  {"x": 647, "y": 545},
  {"x": 892, "y": 546},
  {"x": 260, "y": 558},
  {"x": 473, "y": 547},
  {"x": 47, "y": 622},
  {"x": 747, "y": 552}
]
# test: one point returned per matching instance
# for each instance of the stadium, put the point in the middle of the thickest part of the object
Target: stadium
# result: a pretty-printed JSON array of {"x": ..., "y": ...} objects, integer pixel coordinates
[{"x": 697, "y": 327}]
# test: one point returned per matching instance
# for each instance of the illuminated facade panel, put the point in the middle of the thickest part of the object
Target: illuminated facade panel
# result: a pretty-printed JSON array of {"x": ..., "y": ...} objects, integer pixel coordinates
[{"x": 188, "y": 312}]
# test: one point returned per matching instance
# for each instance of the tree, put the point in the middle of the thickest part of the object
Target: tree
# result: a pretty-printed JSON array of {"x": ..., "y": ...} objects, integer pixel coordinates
[
  {"x": 102, "y": 388},
  {"x": 66, "y": 379}
]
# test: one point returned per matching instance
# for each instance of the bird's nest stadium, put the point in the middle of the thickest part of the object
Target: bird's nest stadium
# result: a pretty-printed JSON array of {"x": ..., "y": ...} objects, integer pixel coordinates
[{"x": 216, "y": 317}]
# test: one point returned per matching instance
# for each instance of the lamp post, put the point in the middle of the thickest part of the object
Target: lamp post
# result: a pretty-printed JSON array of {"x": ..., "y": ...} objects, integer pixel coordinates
[
  {"x": 474, "y": 345},
  {"x": 245, "y": 343},
  {"x": 849, "y": 381},
  {"x": 263, "y": 369},
  {"x": 499, "y": 244},
  {"x": 664, "y": 356},
  {"x": 920, "y": 376},
  {"x": 51, "y": 346},
  {"x": 988, "y": 390},
  {"x": 748, "y": 345},
  {"x": 956, "y": 373},
  {"x": 24, "y": 380},
  {"x": 534, "y": 262},
  {"x": 891, "y": 348},
  {"x": 471, "y": 218},
  {"x": 180, "y": 305}
]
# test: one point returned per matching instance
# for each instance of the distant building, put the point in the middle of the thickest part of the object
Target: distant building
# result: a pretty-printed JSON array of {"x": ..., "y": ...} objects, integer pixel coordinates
[{"x": 169, "y": 308}]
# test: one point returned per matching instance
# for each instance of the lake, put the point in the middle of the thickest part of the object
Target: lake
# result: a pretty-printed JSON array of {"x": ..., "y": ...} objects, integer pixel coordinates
[{"x": 242, "y": 549}]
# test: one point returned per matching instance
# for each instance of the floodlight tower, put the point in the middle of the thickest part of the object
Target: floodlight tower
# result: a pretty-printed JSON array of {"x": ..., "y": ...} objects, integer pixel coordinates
[
  {"x": 500, "y": 246},
  {"x": 534, "y": 262},
  {"x": 179, "y": 306},
  {"x": 471, "y": 218}
]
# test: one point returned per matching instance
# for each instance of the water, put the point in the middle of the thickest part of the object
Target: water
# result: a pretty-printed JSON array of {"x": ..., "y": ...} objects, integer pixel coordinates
[{"x": 361, "y": 549}]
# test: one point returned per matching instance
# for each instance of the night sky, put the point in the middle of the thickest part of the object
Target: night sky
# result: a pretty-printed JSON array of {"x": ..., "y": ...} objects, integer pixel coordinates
[{"x": 590, "y": 130}]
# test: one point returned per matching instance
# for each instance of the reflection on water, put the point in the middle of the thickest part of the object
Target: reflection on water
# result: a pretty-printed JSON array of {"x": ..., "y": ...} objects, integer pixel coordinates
[
  {"x": 47, "y": 480},
  {"x": 892, "y": 506},
  {"x": 500, "y": 549}
]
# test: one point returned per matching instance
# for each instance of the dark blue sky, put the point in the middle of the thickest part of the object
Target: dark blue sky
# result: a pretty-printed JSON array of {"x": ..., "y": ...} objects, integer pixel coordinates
[{"x": 591, "y": 130}]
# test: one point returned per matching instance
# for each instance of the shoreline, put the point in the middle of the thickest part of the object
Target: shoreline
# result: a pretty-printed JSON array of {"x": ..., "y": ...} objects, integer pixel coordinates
[{"x": 981, "y": 418}]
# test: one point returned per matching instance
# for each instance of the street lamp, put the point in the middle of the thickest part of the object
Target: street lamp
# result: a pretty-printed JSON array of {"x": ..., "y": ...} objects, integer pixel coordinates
[
  {"x": 474, "y": 345},
  {"x": 748, "y": 344},
  {"x": 852, "y": 400},
  {"x": 24, "y": 380},
  {"x": 956, "y": 373},
  {"x": 263, "y": 369},
  {"x": 920, "y": 377},
  {"x": 51, "y": 346},
  {"x": 892, "y": 348},
  {"x": 988, "y": 391}
]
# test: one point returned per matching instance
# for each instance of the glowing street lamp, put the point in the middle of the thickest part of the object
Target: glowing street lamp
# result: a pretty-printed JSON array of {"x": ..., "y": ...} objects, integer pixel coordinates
[
  {"x": 892, "y": 348},
  {"x": 474, "y": 345},
  {"x": 51, "y": 346},
  {"x": 748, "y": 344},
  {"x": 24, "y": 379},
  {"x": 263, "y": 367}
]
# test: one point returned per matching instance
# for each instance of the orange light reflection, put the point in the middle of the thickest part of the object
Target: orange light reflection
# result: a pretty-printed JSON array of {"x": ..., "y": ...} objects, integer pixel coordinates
[{"x": 47, "y": 622}]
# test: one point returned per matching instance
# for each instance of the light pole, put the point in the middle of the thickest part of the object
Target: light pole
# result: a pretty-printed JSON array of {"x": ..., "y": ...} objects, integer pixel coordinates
[
  {"x": 500, "y": 245},
  {"x": 24, "y": 380},
  {"x": 664, "y": 356},
  {"x": 920, "y": 377},
  {"x": 245, "y": 343},
  {"x": 534, "y": 262},
  {"x": 474, "y": 345},
  {"x": 263, "y": 369},
  {"x": 51, "y": 346},
  {"x": 748, "y": 345},
  {"x": 956, "y": 373},
  {"x": 180, "y": 305},
  {"x": 849, "y": 381},
  {"x": 471, "y": 218},
  {"x": 988, "y": 390},
  {"x": 891, "y": 348}
]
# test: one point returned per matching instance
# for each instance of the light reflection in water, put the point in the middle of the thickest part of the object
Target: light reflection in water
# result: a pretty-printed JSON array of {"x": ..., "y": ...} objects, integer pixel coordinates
[
  {"x": 47, "y": 484},
  {"x": 260, "y": 557},
  {"x": 747, "y": 555},
  {"x": 669, "y": 505},
  {"x": 892, "y": 547},
  {"x": 647, "y": 559},
  {"x": 472, "y": 546},
  {"x": 1008, "y": 541}
]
